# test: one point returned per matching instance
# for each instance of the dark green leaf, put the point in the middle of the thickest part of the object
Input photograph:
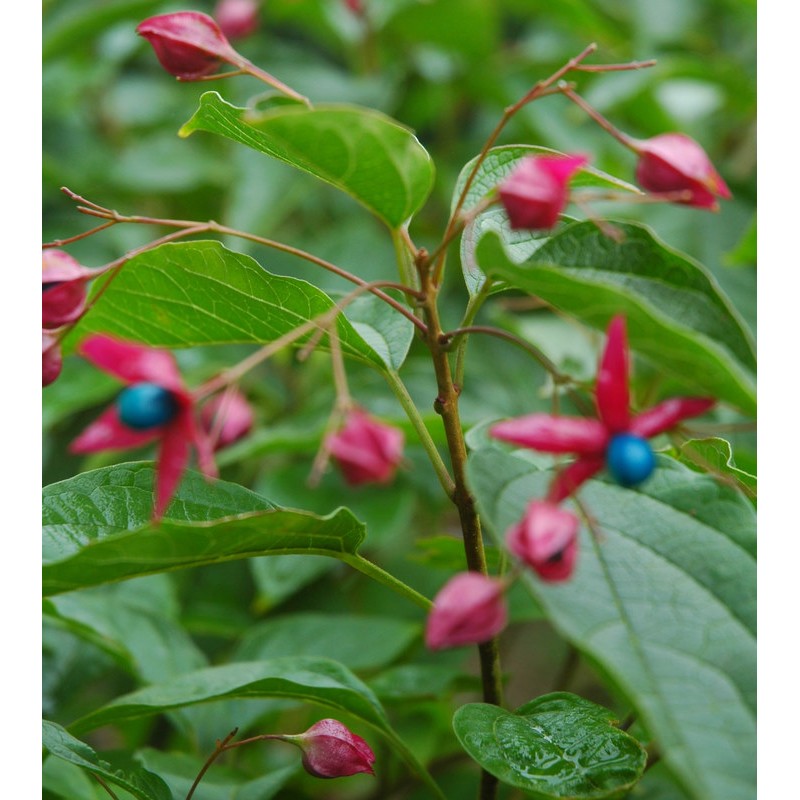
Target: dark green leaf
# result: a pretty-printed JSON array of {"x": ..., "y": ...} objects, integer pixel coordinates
[
  {"x": 559, "y": 745},
  {"x": 139, "y": 782},
  {"x": 663, "y": 601},
  {"x": 195, "y": 293},
  {"x": 348, "y": 639},
  {"x": 715, "y": 455},
  {"x": 677, "y": 315},
  {"x": 360, "y": 151},
  {"x": 97, "y": 528}
]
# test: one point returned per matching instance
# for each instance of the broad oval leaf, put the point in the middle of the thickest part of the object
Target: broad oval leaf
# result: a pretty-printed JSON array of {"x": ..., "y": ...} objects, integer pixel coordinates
[
  {"x": 97, "y": 528},
  {"x": 139, "y": 782},
  {"x": 370, "y": 156},
  {"x": 677, "y": 315},
  {"x": 663, "y": 601},
  {"x": 184, "y": 294},
  {"x": 498, "y": 165},
  {"x": 557, "y": 746}
]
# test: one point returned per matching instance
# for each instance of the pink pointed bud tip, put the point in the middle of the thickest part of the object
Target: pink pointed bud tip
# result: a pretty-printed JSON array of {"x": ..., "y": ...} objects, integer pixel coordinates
[
  {"x": 537, "y": 190},
  {"x": 674, "y": 162},
  {"x": 189, "y": 45},
  {"x": 331, "y": 750},
  {"x": 469, "y": 609},
  {"x": 237, "y": 18},
  {"x": 227, "y": 417},
  {"x": 546, "y": 539},
  {"x": 366, "y": 450}
]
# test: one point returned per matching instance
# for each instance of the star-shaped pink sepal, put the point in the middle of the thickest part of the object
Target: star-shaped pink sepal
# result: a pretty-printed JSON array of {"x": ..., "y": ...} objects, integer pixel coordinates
[{"x": 137, "y": 365}]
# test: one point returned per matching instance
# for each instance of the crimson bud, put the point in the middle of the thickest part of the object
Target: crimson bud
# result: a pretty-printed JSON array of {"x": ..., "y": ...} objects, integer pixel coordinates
[
  {"x": 674, "y": 162},
  {"x": 189, "y": 45},
  {"x": 51, "y": 358},
  {"x": 535, "y": 193},
  {"x": 63, "y": 288},
  {"x": 469, "y": 609},
  {"x": 330, "y": 750},
  {"x": 227, "y": 417},
  {"x": 236, "y": 18}
]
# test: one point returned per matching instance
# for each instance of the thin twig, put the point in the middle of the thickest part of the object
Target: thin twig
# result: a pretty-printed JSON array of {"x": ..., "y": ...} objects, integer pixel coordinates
[
  {"x": 218, "y": 749},
  {"x": 104, "y": 785}
]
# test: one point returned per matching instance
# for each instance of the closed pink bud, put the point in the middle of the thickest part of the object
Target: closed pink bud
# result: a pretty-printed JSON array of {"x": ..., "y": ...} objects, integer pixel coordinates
[
  {"x": 367, "y": 451},
  {"x": 356, "y": 6},
  {"x": 63, "y": 288},
  {"x": 674, "y": 162},
  {"x": 546, "y": 539},
  {"x": 469, "y": 609},
  {"x": 535, "y": 193},
  {"x": 330, "y": 750},
  {"x": 227, "y": 417},
  {"x": 51, "y": 358},
  {"x": 189, "y": 45},
  {"x": 237, "y": 18}
]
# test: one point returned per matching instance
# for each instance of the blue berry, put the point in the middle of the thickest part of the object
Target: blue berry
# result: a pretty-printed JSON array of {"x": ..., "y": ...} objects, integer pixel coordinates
[
  {"x": 146, "y": 405},
  {"x": 630, "y": 459}
]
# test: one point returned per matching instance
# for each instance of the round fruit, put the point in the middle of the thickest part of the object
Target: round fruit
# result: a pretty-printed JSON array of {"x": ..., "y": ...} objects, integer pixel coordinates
[
  {"x": 146, "y": 405},
  {"x": 630, "y": 459}
]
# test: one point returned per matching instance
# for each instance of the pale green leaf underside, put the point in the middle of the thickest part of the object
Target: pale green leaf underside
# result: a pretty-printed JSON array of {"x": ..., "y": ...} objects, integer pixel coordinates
[
  {"x": 97, "y": 528},
  {"x": 663, "y": 602},
  {"x": 200, "y": 293},
  {"x": 557, "y": 746},
  {"x": 360, "y": 151},
  {"x": 677, "y": 315}
]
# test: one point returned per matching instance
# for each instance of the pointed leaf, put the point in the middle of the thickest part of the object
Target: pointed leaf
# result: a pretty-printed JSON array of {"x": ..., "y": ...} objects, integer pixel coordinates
[
  {"x": 663, "y": 601},
  {"x": 139, "y": 782},
  {"x": 557, "y": 746},
  {"x": 715, "y": 454},
  {"x": 360, "y": 151},
  {"x": 677, "y": 315},
  {"x": 200, "y": 293},
  {"x": 97, "y": 528}
]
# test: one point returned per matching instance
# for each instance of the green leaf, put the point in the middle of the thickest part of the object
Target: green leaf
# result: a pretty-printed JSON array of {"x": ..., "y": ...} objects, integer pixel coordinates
[
  {"x": 139, "y": 782},
  {"x": 521, "y": 244},
  {"x": 558, "y": 745},
  {"x": 185, "y": 294},
  {"x": 97, "y": 528},
  {"x": 316, "y": 680},
  {"x": 677, "y": 314},
  {"x": 348, "y": 639},
  {"x": 663, "y": 601},
  {"x": 374, "y": 159},
  {"x": 715, "y": 454},
  {"x": 388, "y": 334}
]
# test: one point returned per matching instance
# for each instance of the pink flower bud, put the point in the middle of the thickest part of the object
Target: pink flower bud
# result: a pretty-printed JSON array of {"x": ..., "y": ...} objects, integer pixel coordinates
[
  {"x": 227, "y": 417},
  {"x": 189, "y": 45},
  {"x": 367, "y": 451},
  {"x": 330, "y": 750},
  {"x": 356, "y": 6},
  {"x": 236, "y": 18},
  {"x": 535, "y": 193},
  {"x": 469, "y": 609},
  {"x": 51, "y": 358},
  {"x": 674, "y": 162},
  {"x": 63, "y": 288},
  {"x": 546, "y": 538}
]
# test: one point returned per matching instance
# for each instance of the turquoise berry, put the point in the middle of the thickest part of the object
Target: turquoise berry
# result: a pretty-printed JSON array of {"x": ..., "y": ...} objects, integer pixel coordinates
[
  {"x": 630, "y": 459},
  {"x": 146, "y": 405}
]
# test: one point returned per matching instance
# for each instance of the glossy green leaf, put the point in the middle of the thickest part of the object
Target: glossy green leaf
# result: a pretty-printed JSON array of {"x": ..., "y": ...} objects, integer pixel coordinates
[
  {"x": 498, "y": 165},
  {"x": 677, "y": 315},
  {"x": 557, "y": 746},
  {"x": 139, "y": 782},
  {"x": 360, "y": 151},
  {"x": 663, "y": 601},
  {"x": 200, "y": 293},
  {"x": 349, "y": 639},
  {"x": 715, "y": 455},
  {"x": 97, "y": 528}
]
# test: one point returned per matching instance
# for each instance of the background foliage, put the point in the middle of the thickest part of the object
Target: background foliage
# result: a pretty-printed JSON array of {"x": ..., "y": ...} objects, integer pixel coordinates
[{"x": 446, "y": 69}]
